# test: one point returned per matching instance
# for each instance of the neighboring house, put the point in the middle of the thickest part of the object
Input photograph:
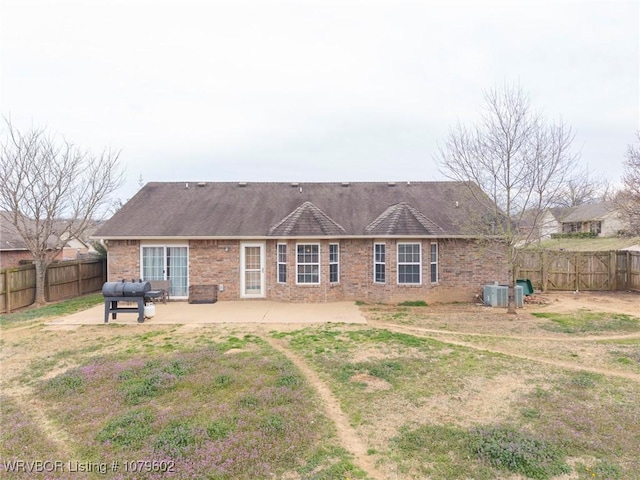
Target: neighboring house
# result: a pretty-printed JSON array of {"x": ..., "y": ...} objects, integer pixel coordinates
[
  {"x": 549, "y": 222},
  {"x": 76, "y": 249},
  {"x": 307, "y": 242},
  {"x": 12, "y": 247},
  {"x": 601, "y": 218},
  {"x": 536, "y": 225},
  {"x": 14, "y": 251}
]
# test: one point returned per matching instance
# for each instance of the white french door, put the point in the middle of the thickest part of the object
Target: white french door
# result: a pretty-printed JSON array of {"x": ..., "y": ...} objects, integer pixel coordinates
[
  {"x": 167, "y": 262},
  {"x": 252, "y": 278}
]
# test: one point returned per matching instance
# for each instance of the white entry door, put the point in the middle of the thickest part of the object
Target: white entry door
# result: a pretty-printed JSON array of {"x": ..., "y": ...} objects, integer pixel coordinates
[{"x": 252, "y": 283}]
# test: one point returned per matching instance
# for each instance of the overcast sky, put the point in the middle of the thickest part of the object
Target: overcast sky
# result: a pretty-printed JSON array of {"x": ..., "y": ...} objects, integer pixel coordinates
[{"x": 260, "y": 90}]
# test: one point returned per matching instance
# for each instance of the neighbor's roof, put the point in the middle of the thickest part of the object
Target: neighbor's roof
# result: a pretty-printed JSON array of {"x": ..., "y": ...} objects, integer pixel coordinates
[
  {"x": 9, "y": 237},
  {"x": 231, "y": 209},
  {"x": 11, "y": 240},
  {"x": 589, "y": 211}
]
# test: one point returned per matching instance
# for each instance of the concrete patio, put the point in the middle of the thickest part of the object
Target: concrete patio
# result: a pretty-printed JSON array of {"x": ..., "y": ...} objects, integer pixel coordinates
[{"x": 232, "y": 312}]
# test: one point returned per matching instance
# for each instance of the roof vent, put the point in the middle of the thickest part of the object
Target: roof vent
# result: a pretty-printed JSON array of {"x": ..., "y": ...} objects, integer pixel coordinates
[
  {"x": 345, "y": 184},
  {"x": 242, "y": 184},
  {"x": 202, "y": 184},
  {"x": 391, "y": 184},
  {"x": 294, "y": 184}
]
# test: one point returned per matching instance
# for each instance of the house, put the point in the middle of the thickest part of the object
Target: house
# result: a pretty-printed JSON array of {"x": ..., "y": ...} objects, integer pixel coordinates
[
  {"x": 14, "y": 250},
  {"x": 601, "y": 219},
  {"x": 307, "y": 242}
]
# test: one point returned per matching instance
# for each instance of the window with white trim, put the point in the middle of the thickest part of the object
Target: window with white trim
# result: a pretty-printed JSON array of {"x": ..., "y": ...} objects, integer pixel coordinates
[
  {"x": 282, "y": 263},
  {"x": 334, "y": 262},
  {"x": 308, "y": 263},
  {"x": 433, "y": 264},
  {"x": 379, "y": 263},
  {"x": 409, "y": 264}
]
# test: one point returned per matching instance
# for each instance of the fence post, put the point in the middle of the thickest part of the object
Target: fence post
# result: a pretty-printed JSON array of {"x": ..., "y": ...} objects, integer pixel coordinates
[
  {"x": 543, "y": 270},
  {"x": 613, "y": 277},
  {"x": 7, "y": 291},
  {"x": 575, "y": 258},
  {"x": 79, "y": 265}
]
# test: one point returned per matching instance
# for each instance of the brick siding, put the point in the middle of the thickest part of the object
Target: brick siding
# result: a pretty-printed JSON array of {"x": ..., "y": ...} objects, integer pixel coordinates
[
  {"x": 123, "y": 260},
  {"x": 464, "y": 266}
]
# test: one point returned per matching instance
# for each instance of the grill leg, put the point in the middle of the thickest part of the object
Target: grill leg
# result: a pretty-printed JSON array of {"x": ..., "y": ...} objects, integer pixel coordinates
[{"x": 140, "y": 310}]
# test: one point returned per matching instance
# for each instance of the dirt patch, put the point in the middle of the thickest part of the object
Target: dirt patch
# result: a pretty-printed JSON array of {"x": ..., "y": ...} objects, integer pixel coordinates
[
  {"x": 482, "y": 400},
  {"x": 373, "y": 384},
  {"x": 627, "y": 303}
]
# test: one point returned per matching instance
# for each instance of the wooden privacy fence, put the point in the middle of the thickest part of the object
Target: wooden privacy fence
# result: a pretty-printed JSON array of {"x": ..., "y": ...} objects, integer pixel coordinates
[
  {"x": 63, "y": 280},
  {"x": 553, "y": 270}
]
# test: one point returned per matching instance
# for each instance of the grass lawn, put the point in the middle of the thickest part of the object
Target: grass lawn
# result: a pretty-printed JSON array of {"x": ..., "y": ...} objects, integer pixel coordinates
[
  {"x": 588, "y": 244},
  {"x": 220, "y": 402}
]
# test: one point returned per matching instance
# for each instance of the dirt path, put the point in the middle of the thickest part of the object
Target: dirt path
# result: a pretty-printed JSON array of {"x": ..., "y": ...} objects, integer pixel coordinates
[
  {"x": 34, "y": 408},
  {"x": 443, "y": 336},
  {"x": 349, "y": 438}
]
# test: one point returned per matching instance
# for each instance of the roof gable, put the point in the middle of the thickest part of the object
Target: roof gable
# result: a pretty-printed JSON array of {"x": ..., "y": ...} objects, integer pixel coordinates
[
  {"x": 402, "y": 219},
  {"x": 307, "y": 220}
]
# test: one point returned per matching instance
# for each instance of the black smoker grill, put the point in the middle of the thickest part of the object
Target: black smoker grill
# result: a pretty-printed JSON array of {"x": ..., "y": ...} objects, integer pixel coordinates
[{"x": 134, "y": 292}]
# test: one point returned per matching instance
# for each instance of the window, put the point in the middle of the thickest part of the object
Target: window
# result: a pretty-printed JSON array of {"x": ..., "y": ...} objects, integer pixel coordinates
[
  {"x": 282, "y": 263},
  {"x": 434, "y": 263},
  {"x": 409, "y": 263},
  {"x": 334, "y": 263},
  {"x": 308, "y": 263},
  {"x": 379, "y": 265}
]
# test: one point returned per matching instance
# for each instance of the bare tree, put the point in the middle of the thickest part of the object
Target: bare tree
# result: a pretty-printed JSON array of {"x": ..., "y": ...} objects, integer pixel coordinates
[
  {"x": 518, "y": 159},
  {"x": 628, "y": 199},
  {"x": 53, "y": 191},
  {"x": 583, "y": 188}
]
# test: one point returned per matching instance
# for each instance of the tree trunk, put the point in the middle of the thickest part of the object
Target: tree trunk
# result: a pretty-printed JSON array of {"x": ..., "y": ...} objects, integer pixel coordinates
[
  {"x": 511, "y": 305},
  {"x": 41, "y": 272}
]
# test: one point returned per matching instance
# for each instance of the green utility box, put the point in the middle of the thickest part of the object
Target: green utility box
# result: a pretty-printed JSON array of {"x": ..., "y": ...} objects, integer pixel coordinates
[{"x": 527, "y": 286}]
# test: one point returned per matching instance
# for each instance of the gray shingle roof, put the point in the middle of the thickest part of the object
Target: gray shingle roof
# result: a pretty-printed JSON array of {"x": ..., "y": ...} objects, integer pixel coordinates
[
  {"x": 229, "y": 209},
  {"x": 306, "y": 220},
  {"x": 588, "y": 211},
  {"x": 402, "y": 217}
]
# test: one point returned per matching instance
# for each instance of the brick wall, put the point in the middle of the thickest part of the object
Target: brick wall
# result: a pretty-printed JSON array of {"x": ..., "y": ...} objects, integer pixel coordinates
[
  {"x": 464, "y": 266},
  {"x": 12, "y": 258},
  {"x": 216, "y": 262},
  {"x": 123, "y": 260}
]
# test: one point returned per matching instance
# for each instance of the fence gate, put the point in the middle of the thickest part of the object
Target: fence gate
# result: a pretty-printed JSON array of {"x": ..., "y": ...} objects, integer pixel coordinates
[
  {"x": 560, "y": 271},
  {"x": 593, "y": 271},
  {"x": 554, "y": 270}
]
